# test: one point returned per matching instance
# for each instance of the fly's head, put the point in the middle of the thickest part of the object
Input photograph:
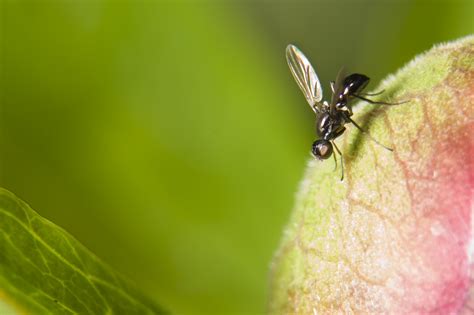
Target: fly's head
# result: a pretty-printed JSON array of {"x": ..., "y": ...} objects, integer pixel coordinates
[{"x": 322, "y": 149}]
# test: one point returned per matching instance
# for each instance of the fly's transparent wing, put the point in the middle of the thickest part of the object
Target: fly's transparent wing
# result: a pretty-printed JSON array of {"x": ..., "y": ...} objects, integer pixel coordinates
[
  {"x": 338, "y": 87},
  {"x": 305, "y": 76}
]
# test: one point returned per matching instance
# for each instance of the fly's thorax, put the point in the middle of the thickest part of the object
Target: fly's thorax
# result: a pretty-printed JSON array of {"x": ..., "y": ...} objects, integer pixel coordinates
[
  {"x": 323, "y": 125},
  {"x": 330, "y": 126}
]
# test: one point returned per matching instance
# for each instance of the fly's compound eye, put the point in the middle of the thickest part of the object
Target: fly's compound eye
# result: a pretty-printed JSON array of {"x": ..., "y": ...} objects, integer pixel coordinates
[{"x": 322, "y": 149}]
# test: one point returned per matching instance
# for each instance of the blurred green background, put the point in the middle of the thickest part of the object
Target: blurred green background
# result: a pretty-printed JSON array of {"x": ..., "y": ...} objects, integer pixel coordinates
[{"x": 169, "y": 136}]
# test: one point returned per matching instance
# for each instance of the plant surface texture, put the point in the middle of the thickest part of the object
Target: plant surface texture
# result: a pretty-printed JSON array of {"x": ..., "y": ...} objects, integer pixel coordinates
[{"x": 395, "y": 237}]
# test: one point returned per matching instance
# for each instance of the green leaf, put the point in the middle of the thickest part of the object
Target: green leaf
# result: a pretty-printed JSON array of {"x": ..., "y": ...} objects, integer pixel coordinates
[
  {"x": 44, "y": 270},
  {"x": 395, "y": 236}
]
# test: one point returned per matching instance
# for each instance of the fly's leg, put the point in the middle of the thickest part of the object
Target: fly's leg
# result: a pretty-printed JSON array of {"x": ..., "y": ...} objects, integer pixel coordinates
[
  {"x": 342, "y": 159},
  {"x": 335, "y": 162},
  {"x": 372, "y": 94},
  {"x": 377, "y": 102},
  {"x": 367, "y": 133}
]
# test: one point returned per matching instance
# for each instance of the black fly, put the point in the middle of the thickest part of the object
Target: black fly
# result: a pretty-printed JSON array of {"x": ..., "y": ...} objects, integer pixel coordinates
[{"x": 331, "y": 117}]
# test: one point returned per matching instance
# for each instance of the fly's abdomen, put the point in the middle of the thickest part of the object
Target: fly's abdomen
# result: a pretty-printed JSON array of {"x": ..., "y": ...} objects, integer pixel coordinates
[{"x": 355, "y": 83}]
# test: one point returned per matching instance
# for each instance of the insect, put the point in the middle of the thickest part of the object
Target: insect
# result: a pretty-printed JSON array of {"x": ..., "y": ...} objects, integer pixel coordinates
[{"x": 331, "y": 117}]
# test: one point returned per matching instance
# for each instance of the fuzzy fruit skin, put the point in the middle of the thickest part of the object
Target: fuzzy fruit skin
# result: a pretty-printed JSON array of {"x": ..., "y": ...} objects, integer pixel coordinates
[{"x": 396, "y": 236}]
